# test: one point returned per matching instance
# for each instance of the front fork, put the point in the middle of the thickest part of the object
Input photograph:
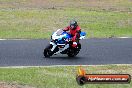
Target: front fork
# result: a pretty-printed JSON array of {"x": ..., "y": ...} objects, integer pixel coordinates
[{"x": 54, "y": 46}]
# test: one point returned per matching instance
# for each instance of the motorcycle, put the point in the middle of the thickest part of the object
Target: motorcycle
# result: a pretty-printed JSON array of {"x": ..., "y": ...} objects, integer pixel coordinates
[{"x": 61, "y": 43}]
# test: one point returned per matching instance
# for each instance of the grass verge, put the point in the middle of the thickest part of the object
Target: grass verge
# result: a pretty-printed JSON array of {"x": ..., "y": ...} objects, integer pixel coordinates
[
  {"x": 38, "y": 19},
  {"x": 61, "y": 76}
]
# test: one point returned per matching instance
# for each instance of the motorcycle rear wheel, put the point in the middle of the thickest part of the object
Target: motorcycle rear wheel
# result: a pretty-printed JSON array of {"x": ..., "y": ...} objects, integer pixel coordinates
[
  {"x": 71, "y": 53},
  {"x": 74, "y": 51}
]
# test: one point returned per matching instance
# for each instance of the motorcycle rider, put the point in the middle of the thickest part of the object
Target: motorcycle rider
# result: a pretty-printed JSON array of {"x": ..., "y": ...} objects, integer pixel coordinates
[{"x": 74, "y": 29}]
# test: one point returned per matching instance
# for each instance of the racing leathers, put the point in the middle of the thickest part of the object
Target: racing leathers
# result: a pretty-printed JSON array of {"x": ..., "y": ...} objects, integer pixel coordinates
[{"x": 75, "y": 33}]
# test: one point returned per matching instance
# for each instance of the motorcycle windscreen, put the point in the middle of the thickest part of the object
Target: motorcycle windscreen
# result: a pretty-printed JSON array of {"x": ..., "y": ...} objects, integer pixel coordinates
[{"x": 59, "y": 32}]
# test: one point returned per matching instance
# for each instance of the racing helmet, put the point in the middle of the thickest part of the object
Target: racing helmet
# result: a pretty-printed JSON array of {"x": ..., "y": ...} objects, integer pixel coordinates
[{"x": 73, "y": 24}]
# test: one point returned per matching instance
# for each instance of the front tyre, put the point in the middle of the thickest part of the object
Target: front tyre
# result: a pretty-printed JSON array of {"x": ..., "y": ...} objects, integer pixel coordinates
[{"x": 47, "y": 51}]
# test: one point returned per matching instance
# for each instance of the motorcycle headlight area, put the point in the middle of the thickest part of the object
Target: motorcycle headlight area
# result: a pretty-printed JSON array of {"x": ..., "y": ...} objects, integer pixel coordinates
[{"x": 61, "y": 41}]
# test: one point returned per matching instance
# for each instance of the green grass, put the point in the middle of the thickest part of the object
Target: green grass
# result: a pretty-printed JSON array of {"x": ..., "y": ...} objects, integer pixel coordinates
[
  {"x": 37, "y": 20},
  {"x": 61, "y": 77}
]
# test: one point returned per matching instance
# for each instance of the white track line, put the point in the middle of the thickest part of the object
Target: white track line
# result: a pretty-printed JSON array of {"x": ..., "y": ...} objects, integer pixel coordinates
[
  {"x": 124, "y": 37},
  {"x": 14, "y": 39},
  {"x": 3, "y": 39},
  {"x": 60, "y": 66}
]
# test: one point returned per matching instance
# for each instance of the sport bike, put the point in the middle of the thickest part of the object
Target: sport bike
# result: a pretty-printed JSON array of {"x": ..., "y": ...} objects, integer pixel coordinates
[{"x": 61, "y": 43}]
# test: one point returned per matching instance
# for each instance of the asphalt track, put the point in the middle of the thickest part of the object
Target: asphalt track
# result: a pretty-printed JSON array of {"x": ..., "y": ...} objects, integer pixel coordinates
[{"x": 93, "y": 52}]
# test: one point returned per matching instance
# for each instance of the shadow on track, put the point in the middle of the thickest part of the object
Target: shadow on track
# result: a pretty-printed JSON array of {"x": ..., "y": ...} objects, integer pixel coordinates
[{"x": 64, "y": 57}]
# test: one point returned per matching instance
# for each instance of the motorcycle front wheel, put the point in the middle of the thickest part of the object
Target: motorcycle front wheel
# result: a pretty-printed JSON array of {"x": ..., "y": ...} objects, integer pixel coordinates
[{"x": 47, "y": 51}]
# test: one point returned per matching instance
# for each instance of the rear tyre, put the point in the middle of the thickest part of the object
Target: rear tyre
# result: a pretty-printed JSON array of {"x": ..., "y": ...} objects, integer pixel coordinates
[
  {"x": 77, "y": 49},
  {"x": 74, "y": 51},
  {"x": 71, "y": 53},
  {"x": 47, "y": 51}
]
